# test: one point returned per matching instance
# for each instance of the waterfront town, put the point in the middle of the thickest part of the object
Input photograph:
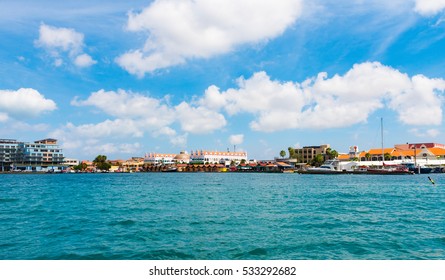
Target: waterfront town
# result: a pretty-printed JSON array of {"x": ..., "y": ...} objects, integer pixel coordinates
[{"x": 47, "y": 156}]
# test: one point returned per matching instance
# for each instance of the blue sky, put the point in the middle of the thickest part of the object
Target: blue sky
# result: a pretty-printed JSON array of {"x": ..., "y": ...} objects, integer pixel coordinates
[{"x": 123, "y": 78}]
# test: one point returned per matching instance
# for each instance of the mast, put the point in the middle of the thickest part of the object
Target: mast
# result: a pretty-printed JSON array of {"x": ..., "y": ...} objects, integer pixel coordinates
[{"x": 383, "y": 153}]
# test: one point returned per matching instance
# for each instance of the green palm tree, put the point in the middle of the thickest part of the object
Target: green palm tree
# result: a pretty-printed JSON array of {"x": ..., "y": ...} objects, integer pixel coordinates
[
  {"x": 291, "y": 152},
  {"x": 368, "y": 156}
]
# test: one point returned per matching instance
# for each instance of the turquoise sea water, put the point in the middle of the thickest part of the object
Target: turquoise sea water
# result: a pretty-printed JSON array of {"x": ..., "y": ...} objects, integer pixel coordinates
[{"x": 221, "y": 216}]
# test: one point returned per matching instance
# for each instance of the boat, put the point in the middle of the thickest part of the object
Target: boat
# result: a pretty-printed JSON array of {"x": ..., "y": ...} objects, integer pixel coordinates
[
  {"x": 418, "y": 169},
  {"x": 397, "y": 169},
  {"x": 330, "y": 166},
  {"x": 289, "y": 170},
  {"x": 170, "y": 169}
]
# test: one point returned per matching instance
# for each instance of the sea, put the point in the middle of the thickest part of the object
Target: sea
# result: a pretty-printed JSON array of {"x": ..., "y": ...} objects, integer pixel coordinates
[{"x": 221, "y": 216}]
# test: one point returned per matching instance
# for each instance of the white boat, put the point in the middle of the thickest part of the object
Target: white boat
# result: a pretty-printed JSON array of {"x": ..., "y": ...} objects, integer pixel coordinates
[{"x": 331, "y": 166}]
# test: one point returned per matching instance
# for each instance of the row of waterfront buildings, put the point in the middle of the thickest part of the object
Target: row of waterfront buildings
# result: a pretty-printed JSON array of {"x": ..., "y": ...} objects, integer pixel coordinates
[
  {"x": 46, "y": 155},
  {"x": 418, "y": 153}
]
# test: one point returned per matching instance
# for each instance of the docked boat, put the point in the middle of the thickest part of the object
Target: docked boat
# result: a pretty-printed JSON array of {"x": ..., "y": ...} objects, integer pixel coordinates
[
  {"x": 288, "y": 171},
  {"x": 390, "y": 170},
  {"x": 170, "y": 169},
  {"x": 418, "y": 169}
]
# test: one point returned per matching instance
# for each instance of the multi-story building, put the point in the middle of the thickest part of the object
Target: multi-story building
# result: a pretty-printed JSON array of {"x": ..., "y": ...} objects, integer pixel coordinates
[
  {"x": 308, "y": 153},
  {"x": 133, "y": 164},
  {"x": 8, "y": 153},
  {"x": 225, "y": 158},
  {"x": 39, "y": 156}
]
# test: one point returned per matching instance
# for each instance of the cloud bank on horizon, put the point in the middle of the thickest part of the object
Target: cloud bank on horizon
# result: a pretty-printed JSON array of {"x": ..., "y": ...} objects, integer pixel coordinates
[
  {"x": 177, "y": 33},
  {"x": 312, "y": 104}
]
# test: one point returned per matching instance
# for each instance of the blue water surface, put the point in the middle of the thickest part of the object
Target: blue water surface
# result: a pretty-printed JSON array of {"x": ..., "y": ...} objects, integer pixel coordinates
[{"x": 174, "y": 216}]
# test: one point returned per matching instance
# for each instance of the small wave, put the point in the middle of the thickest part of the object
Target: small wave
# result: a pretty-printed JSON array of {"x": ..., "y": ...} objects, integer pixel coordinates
[
  {"x": 257, "y": 252},
  {"x": 6, "y": 245},
  {"x": 164, "y": 255},
  {"x": 123, "y": 223},
  {"x": 73, "y": 256},
  {"x": 211, "y": 222},
  {"x": 4, "y": 200},
  {"x": 441, "y": 239}
]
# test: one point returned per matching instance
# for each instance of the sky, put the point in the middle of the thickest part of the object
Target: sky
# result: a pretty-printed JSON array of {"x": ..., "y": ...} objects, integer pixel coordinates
[{"x": 126, "y": 78}]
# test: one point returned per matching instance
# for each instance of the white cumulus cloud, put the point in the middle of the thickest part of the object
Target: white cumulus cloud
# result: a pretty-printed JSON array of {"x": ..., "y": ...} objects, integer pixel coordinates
[
  {"x": 203, "y": 29},
  {"x": 323, "y": 102},
  {"x": 84, "y": 60},
  {"x": 429, "y": 7},
  {"x": 236, "y": 139},
  {"x": 22, "y": 103},
  {"x": 199, "y": 120},
  {"x": 60, "y": 42},
  {"x": 122, "y": 104},
  {"x": 429, "y": 133}
]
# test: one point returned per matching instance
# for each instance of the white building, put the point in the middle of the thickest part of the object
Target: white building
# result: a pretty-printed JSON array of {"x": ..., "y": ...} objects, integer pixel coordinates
[
  {"x": 159, "y": 159},
  {"x": 225, "y": 158},
  {"x": 70, "y": 162},
  {"x": 182, "y": 157}
]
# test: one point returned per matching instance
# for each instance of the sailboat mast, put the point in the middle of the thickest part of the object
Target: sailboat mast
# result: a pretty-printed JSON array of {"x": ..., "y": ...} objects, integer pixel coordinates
[{"x": 383, "y": 153}]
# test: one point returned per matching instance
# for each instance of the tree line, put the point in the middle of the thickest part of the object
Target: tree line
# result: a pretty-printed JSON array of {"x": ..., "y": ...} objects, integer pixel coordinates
[{"x": 100, "y": 162}]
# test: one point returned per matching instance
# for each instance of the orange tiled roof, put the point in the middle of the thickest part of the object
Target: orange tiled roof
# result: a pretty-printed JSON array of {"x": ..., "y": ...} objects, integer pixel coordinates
[
  {"x": 379, "y": 151},
  {"x": 362, "y": 154},
  {"x": 437, "y": 151},
  {"x": 403, "y": 153},
  {"x": 343, "y": 157}
]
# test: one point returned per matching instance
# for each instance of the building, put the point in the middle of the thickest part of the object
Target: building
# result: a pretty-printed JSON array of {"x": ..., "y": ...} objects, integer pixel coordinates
[
  {"x": 8, "y": 153},
  {"x": 182, "y": 157},
  {"x": 159, "y": 159},
  {"x": 70, "y": 162},
  {"x": 134, "y": 164},
  {"x": 308, "y": 153},
  {"x": 419, "y": 154},
  {"x": 42, "y": 155},
  {"x": 226, "y": 158}
]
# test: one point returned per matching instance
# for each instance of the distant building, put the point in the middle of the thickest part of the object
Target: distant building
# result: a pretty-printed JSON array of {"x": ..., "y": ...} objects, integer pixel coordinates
[
  {"x": 133, "y": 164},
  {"x": 308, "y": 153},
  {"x": 419, "y": 146},
  {"x": 38, "y": 156},
  {"x": 226, "y": 158},
  {"x": 182, "y": 157},
  {"x": 8, "y": 153},
  {"x": 158, "y": 158},
  {"x": 70, "y": 162},
  {"x": 406, "y": 152}
]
